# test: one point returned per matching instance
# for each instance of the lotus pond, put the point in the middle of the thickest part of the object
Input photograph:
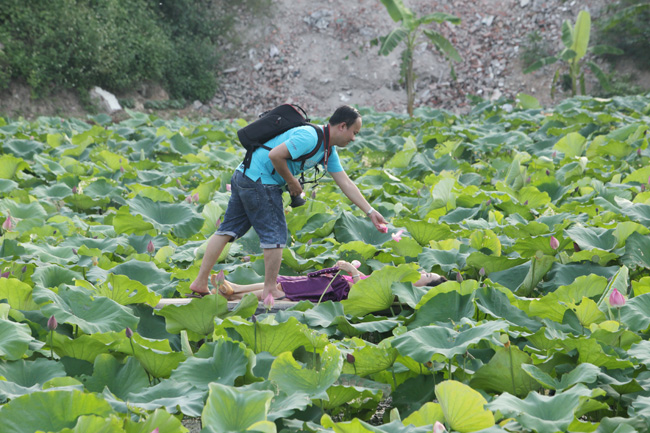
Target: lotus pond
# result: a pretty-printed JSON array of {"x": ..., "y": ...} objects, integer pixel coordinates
[{"x": 539, "y": 218}]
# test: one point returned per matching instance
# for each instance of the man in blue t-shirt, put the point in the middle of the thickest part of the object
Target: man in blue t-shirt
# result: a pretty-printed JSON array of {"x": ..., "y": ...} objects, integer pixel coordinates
[{"x": 256, "y": 199}]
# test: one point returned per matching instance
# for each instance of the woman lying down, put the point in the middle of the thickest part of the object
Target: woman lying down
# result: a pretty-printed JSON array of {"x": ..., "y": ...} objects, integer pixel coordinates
[{"x": 310, "y": 287}]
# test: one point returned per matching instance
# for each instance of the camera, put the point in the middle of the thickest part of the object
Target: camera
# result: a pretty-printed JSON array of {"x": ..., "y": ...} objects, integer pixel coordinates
[{"x": 297, "y": 200}]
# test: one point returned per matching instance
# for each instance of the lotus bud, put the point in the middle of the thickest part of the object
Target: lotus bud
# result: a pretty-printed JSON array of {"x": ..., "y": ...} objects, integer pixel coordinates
[
  {"x": 526, "y": 203},
  {"x": 528, "y": 179},
  {"x": 74, "y": 189},
  {"x": 309, "y": 241},
  {"x": 397, "y": 236},
  {"x": 24, "y": 269},
  {"x": 246, "y": 259},
  {"x": 228, "y": 187},
  {"x": 459, "y": 277},
  {"x": 383, "y": 228},
  {"x": 438, "y": 427},
  {"x": 356, "y": 263},
  {"x": 269, "y": 302},
  {"x": 121, "y": 169},
  {"x": 648, "y": 179},
  {"x": 188, "y": 199},
  {"x": 350, "y": 358},
  {"x": 642, "y": 188},
  {"x": 155, "y": 430},
  {"x": 554, "y": 243},
  {"x": 576, "y": 247},
  {"x": 488, "y": 202},
  {"x": 554, "y": 154},
  {"x": 128, "y": 332},
  {"x": 548, "y": 171},
  {"x": 5, "y": 274},
  {"x": 51, "y": 323},
  {"x": 597, "y": 211},
  {"x": 151, "y": 248},
  {"x": 616, "y": 299},
  {"x": 195, "y": 197},
  {"x": 313, "y": 194},
  {"x": 481, "y": 272},
  {"x": 221, "y": 277},
  {"x": 638, "y": 152},
  {"x": 74, "y": 251},
  {"x": 8, "y": 225}
]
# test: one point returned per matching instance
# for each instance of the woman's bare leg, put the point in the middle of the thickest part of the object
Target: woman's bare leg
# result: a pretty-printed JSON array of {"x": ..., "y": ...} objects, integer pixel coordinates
[{"x": 242, "y": 289}]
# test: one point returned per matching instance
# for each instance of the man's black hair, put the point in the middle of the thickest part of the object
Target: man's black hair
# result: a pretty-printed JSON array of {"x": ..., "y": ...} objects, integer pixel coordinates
[{"x": 345, "y": 114}]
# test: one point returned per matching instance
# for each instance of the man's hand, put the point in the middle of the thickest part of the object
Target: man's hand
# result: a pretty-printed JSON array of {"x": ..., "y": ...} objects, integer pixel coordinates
[
  {"x": 378, "y": 220},
  {"x": 295, "y": 189}
]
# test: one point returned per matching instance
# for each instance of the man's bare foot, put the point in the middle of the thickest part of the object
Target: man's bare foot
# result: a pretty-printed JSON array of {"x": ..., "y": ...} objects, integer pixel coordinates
[{"x": 200, "y": 289}]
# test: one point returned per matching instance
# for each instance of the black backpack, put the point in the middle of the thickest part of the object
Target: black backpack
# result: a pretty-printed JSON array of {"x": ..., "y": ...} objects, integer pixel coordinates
[{"x": 273, "y": 123}]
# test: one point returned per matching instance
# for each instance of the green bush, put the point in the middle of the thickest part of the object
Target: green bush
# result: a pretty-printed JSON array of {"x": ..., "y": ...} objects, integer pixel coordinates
[
  {"x": 625, "y": 26},
  {"x": 115, "y": 44}
]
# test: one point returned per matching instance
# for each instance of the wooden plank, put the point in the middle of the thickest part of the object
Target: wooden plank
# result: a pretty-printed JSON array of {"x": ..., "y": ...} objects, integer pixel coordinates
[{"x": 278, "y": 306}]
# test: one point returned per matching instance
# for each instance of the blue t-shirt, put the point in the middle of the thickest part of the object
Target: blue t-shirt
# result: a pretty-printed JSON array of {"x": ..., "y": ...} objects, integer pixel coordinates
[{"x": 300, "y": 141}]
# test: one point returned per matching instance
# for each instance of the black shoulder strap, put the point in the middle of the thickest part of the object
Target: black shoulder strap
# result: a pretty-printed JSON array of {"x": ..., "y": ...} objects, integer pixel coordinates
[{"x": 319, "y": 133}]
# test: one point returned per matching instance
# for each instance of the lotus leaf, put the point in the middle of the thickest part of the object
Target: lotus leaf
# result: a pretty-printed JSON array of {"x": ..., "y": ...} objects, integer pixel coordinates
[
  {"x": 463, "y": 408},
  {"x": 229, "y": 409}
]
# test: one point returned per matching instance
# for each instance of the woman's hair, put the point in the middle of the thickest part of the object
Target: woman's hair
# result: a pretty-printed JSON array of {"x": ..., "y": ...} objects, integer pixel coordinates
[
  {"x": 436, "y": 281},
  {"x": 345, "y": 114}
]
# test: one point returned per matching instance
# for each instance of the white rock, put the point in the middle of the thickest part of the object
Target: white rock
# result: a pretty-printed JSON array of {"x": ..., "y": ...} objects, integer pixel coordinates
[{"x": 106, "y": 100}]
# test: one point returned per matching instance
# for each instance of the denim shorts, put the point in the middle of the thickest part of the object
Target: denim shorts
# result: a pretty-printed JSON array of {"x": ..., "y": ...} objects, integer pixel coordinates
[{"x": 253, "y": 204}]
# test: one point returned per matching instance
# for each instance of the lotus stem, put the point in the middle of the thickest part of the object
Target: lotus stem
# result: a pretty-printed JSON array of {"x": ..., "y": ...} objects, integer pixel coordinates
[
  {"x": 328, "y": 286},
  {"x": 51, "y": 346}
]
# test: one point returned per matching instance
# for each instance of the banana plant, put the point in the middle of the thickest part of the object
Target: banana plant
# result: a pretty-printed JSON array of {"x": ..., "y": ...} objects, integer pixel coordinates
[
  {"x": 409, "y": 32},
  {"x": 576, "y": 45}
]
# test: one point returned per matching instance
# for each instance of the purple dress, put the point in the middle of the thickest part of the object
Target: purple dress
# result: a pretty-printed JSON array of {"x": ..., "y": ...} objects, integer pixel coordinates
[{"x": 310, "y": 287}]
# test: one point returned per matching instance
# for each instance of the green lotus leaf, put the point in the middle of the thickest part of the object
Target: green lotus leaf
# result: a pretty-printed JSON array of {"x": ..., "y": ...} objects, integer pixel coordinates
[
  {"x": 120, "y": 378},
  {"x": 370, "y": 359},
  {"x": 496, "y": 303},
  {"x": 589, "y": 238},
  {"x": 283, "y": 405},
  {"x": 196, "y": 316},
  {"x": 51, "y": 410},
  {"x": 222, "y": 362},
  {"x": 293, "y": 377},
  {"x": 7, "y": 185},
  {"x": 124, "y": 222},
  {"x": 170, "y": 395},
  {"x": 369, "y": 323},
  {"x": 230, "y": 409},
  {"x": 15, "y": 338},
  {"x": 97, "y": 424},
  {"x": 54, "y": 276},
  {"x": 459, "y": 215},
  {"x": 339, "y": 395},
  {"x": 123, "y": 290},
  {"x": 428, "y": 414},
  {"x": 443, "y": 307},
  {"x": 592, "y": 352},
  {"x": 159, "y": 419},
  {"x": 504, "y": 373},
  {"x": 10, "y": 165},
  {"x": 83, "y": 347},
  {"x": 18, "y": 294},
  {"x": 76, "y": 307},
  {"x": 23, "y": 377},
  {"x": 636, "y": 251},
  {"x": 358, "y": 426},
  {"x": 424, "y": 232},
  {"x": 155, "y": 356},
  {"x": 295, "y": 262},
  {"x": 492, "y": 263},
  {"x": 179, "y": 218},
  {"x": 422, "y": 343},
  {"x": 640, "y": 175},
  {"x": 267, "y": 336},
  {"x": 446, "y": 261},
  {"x": 85, "y": 202},
  {"x": 583, "y": 373},
  {"x": 350, "y": 228},
  {"x": 636, "y": 313},
  {"x": 463, "y": 407},
  {"x": 375, "y": 293},
  {"x": 541, "y": 413},
  {"x": 154, "y": 278},
  {"x": 318, "y": 226}
]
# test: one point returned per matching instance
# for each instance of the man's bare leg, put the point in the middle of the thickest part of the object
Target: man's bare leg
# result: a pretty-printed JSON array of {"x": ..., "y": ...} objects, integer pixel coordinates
[
  {"x": 272, "y": 262},
  {"x": 215, "y": 246}
]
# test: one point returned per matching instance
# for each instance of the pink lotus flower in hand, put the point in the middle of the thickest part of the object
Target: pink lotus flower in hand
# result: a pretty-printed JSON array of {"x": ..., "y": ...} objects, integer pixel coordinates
[
  {"x": 397, "y": 236},
  {"x": 269, "y": 301},
  {"x": 228, "y": 187},
  {"x": 616, "y": 299},
  {"x": 356, "y": 263},
  {"x": 383, "y": 228}
]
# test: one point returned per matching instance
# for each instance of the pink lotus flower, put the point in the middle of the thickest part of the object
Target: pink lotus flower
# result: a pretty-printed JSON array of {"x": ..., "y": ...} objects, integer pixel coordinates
[
  {"x": 151, "y": 248},
  {"x": 195, "y": 197},
  {"x": 269, "y": 302},
  {"x": 51, "y": 323},
  {"x": 8, "y": 225},
  {"x": 356, "y": 263},
  {"x": 438, "y": 427},
  {"x": 383, "y": 228},
  {"x": 397, "y": 236},
  {"x": 220, "y": 278},
  {"x": 554, "y": 243},
  {"x": 188, "y": 199},
  {"x": 350, "y": 358},
  {"x": 616, "y": 299},
  {"x": 228, "y": 187}
]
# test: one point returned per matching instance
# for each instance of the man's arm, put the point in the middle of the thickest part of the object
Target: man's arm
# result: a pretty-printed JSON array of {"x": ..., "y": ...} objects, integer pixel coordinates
[
  {"x": 279, "y": 156},
  {"x": 352, "y": 192}
]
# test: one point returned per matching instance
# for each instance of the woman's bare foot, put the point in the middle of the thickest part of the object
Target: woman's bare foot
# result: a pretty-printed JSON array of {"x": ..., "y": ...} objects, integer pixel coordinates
[
  {"x": 200, "y": 289},
  {"x": 225, "y": 289}
]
